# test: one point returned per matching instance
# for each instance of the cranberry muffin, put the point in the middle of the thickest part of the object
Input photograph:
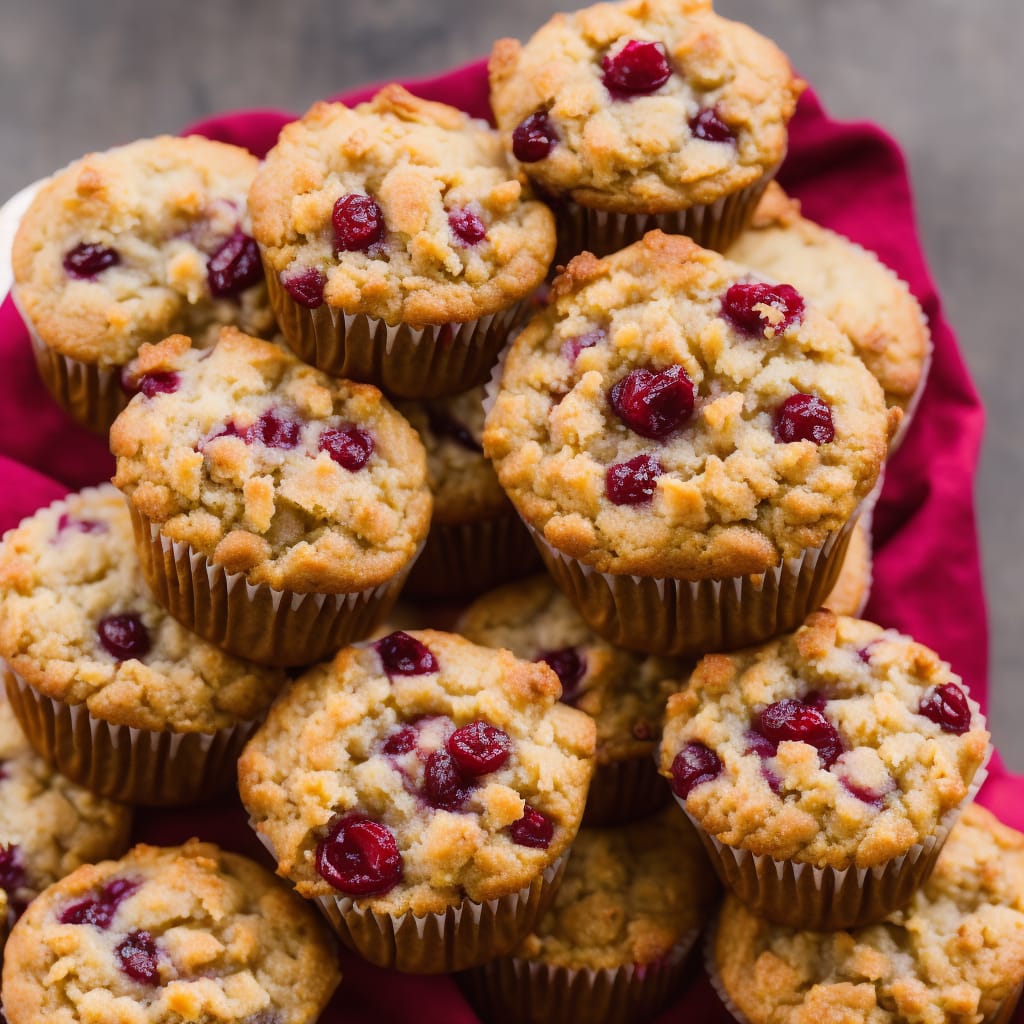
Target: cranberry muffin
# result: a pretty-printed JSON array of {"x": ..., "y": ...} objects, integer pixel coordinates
[
  {"x": 689, "y": 447},
  {"x": 424, "y": 791},
  {"x": 277, "y": 510},
  {"x": 624, "y": 692},
  {"x": 853, "y": 586},
  {"x": 645, "y": 114},
  {"x": 107, "y": 686},
  {"x": 824, "y": 770},
  {"x": 397, "y": 242},
  {"x": 186, "y": 933},
  {"x": 126, "y": 247},
  {"x": 955, "y": 953}
]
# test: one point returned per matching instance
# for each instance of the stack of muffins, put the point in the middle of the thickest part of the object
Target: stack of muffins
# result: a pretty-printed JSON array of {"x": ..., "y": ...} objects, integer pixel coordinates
[{"x": 686, "y": 428}]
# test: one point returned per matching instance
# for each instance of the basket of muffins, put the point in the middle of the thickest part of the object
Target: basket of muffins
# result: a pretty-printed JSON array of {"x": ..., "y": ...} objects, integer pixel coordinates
[{"x": 584, "y": 389}]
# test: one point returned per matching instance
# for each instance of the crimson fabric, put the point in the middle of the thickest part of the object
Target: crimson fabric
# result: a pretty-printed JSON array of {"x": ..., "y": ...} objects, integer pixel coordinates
[{"x": 850, "y": 177}]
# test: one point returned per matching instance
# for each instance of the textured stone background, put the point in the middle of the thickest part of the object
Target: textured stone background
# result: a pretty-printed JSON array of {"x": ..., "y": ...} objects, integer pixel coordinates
[{"x": 940, "y": 74}]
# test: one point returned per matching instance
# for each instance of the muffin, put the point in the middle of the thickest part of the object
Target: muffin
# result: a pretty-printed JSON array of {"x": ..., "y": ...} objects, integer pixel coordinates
[
  {"x": 625, "y": 693},
  {"x": 614, "y": 944},
  {"x": 823, "y": 771},
  {"x": 108, "y": 687},
  {"x": 853, "y": 586},
  {"x": 129, "y": 246},
  {"x": 476, "y": 540},
  {"x": 397, "y": 243},
  {"x": 689, "y": 448},
  {"x": 954, "y": 955},
  {"x": 184, "y": 933},
  {"x": 423, "y": 790},
  {"x": 852, "y": 286},
  {"x": 645, "y": 114},
  {"x": 277, "y": 511}
]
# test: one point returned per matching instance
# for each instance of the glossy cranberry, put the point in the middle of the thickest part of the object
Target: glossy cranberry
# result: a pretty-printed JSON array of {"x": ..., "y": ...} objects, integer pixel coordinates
[
  {"x": 815, "y": 699},
  {"x": 653, "y": 404},
  {"x": 534, "y": 138},
  {"x": 151, "y": 384},
  {"x": 404, "y": 655},
  {"x": 570, "y": 666},
  {"x": 359, "y": 857},
  {"x": 532, "y": 829},
  {"x": 444, "y": 785},
  {"x": 66, "y": 522},
  {"x": 794, "y": 720},
  {"x": 99, "y": 910},
  {"x": 572, "y": 347},
  {"x": 947, "y": 707},
  {"x": 740, "y": 307},
  {"x": 866, "y": 795},
  {"x": 443, "y": 424},
  {"x": 124, "y": 636},
  {"x": 479, "y": 748},
  {"x": 306, "y": 287},
  {"x": 88, "y": 259},
  {"x": 804, "y": 418},
  {"x": 401, "y": 742},
  {"x": 137, "y": 956},
  {"x": 692, "y": 766},
  {"x": 640, "y": 67},
  {"x": 633, "y": 482},
  {"x": 12, "y": 874},
  {"x": 358, "y": 223},
  {"x": 467, "y": 226},
  {"x": 709, "y": 126},
  {"x": 349, "y": 447},
  {"x": 274, "y": 431},
  {"x": 234, "y": 267},
  {"x": 755, "y": 743}
]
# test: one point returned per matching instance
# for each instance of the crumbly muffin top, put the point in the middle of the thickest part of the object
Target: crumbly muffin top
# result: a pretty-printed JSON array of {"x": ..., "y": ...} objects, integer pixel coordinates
[
  {"x": 650, "y": 420},
  {"x": 854, "y": 583},
  {"x": 270, "y": 467},
  {"x": 841, "y": 744},
  {"x": 133, "y": 244},
  {"x": 628, "y": 896},
  {"x": 462, "y": 481},
  {"x": 648, "y": 105},
  {"x": 624, "y": 692},
  {"x": 383, "y": 737},
  {"x": 439, "y": 230},
  {"x": 77, "y": 621},
  {"x": 168, "y": 935},
  {"x": 951, "y": 957},
  {"x": 851, "y": 285}
]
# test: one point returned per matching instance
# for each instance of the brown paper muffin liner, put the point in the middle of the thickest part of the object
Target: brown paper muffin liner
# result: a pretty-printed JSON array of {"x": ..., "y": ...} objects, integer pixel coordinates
[
  {"x": 255, "y": 621},
  {"x": 624, "y": 791},
  {"x": 138, "y": 766},
  {"x": 403, "y": 361},
  {"x": 513, "y": 990}
]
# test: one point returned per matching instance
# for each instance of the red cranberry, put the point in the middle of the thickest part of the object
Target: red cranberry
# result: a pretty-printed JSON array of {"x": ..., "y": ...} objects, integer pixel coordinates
[
  {"x": 99, "y": 910},
  {"x": 404, "y": 655},
  {"x": 572, "y": 347},
  {"x": 570, "y": 666},
  {"x": 234, "y": 267},
  {"x": 66, "y": 522},
  {"x": 640, "y": 67},
  {"x": 401, "y": 742},
  {"x": 740, "y": 302},
  {"x": 151, "y": 384},
  {"x": 533, "y": 829},
  {"x": 444, "y": 785},
  {"x": 804, "y": 418},
  {"x": 137, "y": 955},
  {"x": 947, "y": 707},
  {"x": 693, "y": 765},
  {"x": 359, "y": 857},
  {"x": 124, "y": 636},
  {"x": 12, "y": 873},
  {"x": 709, "y": 126},
  {"x": 479, "y": 748},
  {"x": 794, "y": 720},
  {"x": 534, "y": 138},
  {"x": 306, "y": 287},
  {"x": 758, "y": 744},
  {"x": 274, "y": 431},
  {"x": 864, "y": 653},
  {"x": 442, "y": 424},
  {"x": 653, "y": 404},
  {"x": 88, "y": 259},
  {"x": 816, "y": 699},
  {"x": 467, "y": 226},
  {"x": 358, "y": 223},
  {"x": 868, "y": 796},
  {"x": 349, "y": 447},
  {"x": 633, "y": 482}
]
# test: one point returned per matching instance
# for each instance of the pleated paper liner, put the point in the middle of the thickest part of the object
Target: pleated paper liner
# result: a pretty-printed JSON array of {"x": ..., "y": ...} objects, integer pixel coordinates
[
  {"x": 255, "y": 621},
  {"x": 138, "y": 766},
  {"x": 624, "y": 791}
]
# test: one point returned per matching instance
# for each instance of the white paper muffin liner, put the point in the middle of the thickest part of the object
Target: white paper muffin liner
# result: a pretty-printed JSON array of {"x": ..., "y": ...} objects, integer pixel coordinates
[{"x": 625, "y": 791}]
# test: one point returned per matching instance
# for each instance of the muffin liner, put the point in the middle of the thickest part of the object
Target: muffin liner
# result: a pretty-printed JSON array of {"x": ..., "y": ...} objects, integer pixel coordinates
[
  {"x": 624, "y": 791},
  {"x": 912, "y": 404},
  {"x": 513, "y": 990},
  {"x": 255, "y": 621},
  {"x": 157, "y": 768},
  {"x": 404, "y": 361}
]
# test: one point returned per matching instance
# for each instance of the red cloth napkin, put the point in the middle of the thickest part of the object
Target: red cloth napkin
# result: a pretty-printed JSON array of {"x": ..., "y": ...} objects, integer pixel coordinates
[{"x": 850, "y": 177}]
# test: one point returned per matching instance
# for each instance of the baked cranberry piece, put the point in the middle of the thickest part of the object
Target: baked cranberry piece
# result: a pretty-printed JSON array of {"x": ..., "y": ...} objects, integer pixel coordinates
[
  {"x": 401, "y": 742},
  {"x": 572, "y": 347},
  {"x": 404, "y": 655},
  {"x": 692, "y": 766},
  {"x": 234, "y": 267},
  {"x": 443, "y": 424},
  {"x": 89, "y": 259},
  {"x": 349, "y": 447},
  {"x": 633, "y": 482},
  {"x": 12, "y": 873},
  {"x": 533, "y": 829},
  {"x": 124, "y": 636},
  {"x": 570, "y": 666},
  {"x": 793, "y": 720},
  {"x": 358, "y": 223},
  {"x": 99, "y": 910},
  {"x": 653, "y": 404},
  {"x": 709, "y": 126},
  {"x": 534, "y": 138},
  {"x": 467, "y": 227},
  {"x": 864, "y": 653},
  {"x": 866, "y": 795},
  {"x": 274, "y": 431},
  {"x": 151, "y": 384},
  {"x": 742, "y": 307},
  {"x": 947, "y": 707},
  {"x": 815, "y": 699},
  {"x": 138, "y": 958},
  {"x": 640, "y": 67},
  {"x": 479, "y": 748},
  {"x": 759, "y": 744},
  {"x": 359, "y": 857},
  {"x": 306, "y": 286},
  {"x": 445, "y": 787},
  {"x": 67, "y": 522},
  {"x": 804, "y": 418}
]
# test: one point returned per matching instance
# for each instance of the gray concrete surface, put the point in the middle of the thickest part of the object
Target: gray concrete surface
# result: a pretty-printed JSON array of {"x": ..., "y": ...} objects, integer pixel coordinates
[{"x": 942, "y": 75}]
